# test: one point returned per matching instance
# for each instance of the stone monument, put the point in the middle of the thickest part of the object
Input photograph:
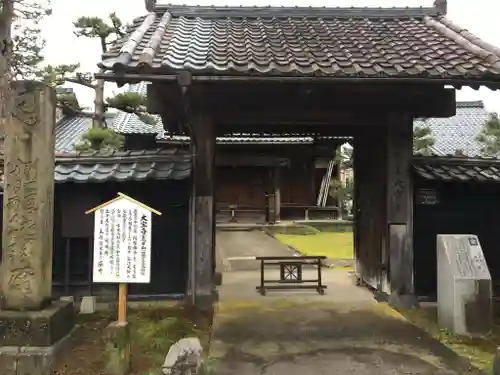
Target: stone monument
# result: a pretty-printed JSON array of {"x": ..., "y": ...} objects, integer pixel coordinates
[
  {"x": 464, "y": 291},
  {"x": 31, "y": 324}
]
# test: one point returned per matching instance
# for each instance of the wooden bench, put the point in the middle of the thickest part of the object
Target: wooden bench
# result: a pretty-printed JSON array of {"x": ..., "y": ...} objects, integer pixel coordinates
[
  {"x": 295, "y": 211},
  {"x": 333, "y": 211},
  {"x": 290, "y": 273},
  {"x": 234, "y": 209}
]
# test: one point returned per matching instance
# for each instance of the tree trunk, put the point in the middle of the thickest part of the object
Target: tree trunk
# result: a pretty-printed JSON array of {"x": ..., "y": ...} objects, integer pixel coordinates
[
  {"x": 99, "y": 105},
  {"x": 6, "y": 97}
]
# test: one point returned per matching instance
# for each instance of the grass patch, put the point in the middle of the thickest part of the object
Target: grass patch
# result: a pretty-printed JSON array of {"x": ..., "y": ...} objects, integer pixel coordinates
[
  {"x": 479, "y": 351},
  {"x": 299, "y": 230},
  {"x": 332, "y": 245},
  {"x": 153, "y": 331},
  {"x": 332, "y": 226}
]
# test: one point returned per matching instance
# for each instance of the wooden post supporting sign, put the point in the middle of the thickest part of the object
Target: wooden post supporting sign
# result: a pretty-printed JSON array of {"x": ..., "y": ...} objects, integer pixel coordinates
[
  {"x": 122, "y": 303},
  {"x": 122, "y": 255}
]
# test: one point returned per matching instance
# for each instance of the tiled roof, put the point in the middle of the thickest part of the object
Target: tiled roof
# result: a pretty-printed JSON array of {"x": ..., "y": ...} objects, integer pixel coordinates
[
  {"x": 101, "y": 166},
  {"x": 331, "y": 42},
  {"x": 120, "y": 166},
  {"x": 457, "y": 169},
  {"x": 458, "y": 132},
  {"x": 70, "y": 129}
]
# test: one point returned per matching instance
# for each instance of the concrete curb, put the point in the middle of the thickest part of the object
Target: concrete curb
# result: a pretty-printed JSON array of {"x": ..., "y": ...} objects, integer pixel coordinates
[{"x": 221, "y": 259}]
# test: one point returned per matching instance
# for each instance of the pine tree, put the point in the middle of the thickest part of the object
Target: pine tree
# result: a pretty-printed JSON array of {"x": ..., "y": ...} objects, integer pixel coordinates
[
  {"x": 423, "y": 140},
  {"x": 20, "y": 47},
  {"x": 19, "y": 23},
  {"x": 99, "y": 137},
  {"x": 489, "y": 137}
]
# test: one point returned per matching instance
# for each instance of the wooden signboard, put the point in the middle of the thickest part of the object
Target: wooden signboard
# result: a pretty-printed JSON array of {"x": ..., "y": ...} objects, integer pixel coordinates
[
  {"x": 428, "y": 197},
  {"x": 122, "y": 245}
]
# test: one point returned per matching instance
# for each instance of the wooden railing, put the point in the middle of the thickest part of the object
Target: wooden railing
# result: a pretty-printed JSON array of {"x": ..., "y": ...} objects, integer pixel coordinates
[{"x": 291, "y": 275}]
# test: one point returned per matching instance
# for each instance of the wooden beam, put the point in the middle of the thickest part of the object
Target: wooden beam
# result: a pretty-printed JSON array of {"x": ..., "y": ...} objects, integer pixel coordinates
[
  {"x": 249, "y": 160},
  {"x": 327, "y": 98},
  {"x": 286, "y": 124},
  {"x": 286, "y": 103},
  {"x": 400, "y": 208},
  {"x": 160, "y": 96}
]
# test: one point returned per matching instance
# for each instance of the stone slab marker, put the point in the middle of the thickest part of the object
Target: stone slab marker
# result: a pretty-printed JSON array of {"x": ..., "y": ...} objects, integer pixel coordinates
[
  {"x": 32, "y": 328},
  {"x": 26, "y": 270}
]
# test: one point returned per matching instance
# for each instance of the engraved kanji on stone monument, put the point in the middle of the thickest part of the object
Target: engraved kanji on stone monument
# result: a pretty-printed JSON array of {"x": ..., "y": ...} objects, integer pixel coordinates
[{"x": 26, "y": 270}]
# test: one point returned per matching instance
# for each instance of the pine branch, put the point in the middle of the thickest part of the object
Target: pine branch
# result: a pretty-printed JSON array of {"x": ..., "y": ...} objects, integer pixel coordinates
[
  {"x": 27, "y": 40},
  {"x": 99, "y": 139},
  {"x": 132, "y": 102},
  {"x": 423, "y": 139},
  {"x": 69, "y": 111},
  {"x": 489, "y": 137},
  {"x": 80, "y": 82},
  {"x": 118, "y": 27}
]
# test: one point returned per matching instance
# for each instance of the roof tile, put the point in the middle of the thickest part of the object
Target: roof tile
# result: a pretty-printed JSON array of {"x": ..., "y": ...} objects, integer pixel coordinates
[
  {"x": 130, "y": 123},
  {"x": 333, "y": 42},
  {"x": 104, "y": 166},
  {"x": 457, "y": 169},
  {"x": 458, "y": 132},
  {"x": 120, "y": 171},
  {"x": 69, "y": 131}
]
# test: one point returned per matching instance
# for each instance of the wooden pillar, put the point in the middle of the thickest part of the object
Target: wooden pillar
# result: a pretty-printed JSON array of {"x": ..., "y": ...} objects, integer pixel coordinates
[
  {"x": 369, "y": 206},
  {"x": 313, "y": 192},
  {"x": 338, "y": 179},
  {"x": 277, "y": 192},
  {"x": 203, "y": 138},
  {"x": 400, "y": 208},
  {"x": 26, "y": 270}
]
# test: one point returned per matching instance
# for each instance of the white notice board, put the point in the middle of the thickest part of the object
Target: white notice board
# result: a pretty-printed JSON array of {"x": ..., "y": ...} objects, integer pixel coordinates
[{"x": 122, "y": 242}]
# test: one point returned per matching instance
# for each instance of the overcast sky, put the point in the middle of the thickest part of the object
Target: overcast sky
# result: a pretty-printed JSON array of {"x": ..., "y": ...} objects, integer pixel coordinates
[{"x": 478, "y": 16}]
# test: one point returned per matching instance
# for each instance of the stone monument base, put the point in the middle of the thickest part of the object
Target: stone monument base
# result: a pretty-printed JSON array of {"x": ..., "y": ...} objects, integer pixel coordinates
[{"x": 30, "y": 340}]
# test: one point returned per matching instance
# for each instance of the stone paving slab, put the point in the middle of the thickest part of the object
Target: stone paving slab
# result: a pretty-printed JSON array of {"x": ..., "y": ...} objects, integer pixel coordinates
[
  {"x": 343, "y": 332},
  {"x": 235, "y": 246}
]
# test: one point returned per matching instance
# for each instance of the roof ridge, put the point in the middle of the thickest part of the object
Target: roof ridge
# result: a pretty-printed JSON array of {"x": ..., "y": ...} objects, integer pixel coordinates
[
  {"x": 474, "y": 46},
  {"x": 155, "y": 45},
  {"x": 150, "y": 5},
  {"x": 466, "y": 34},
  {"x": 130, "y": 156},
  {"x": 440, "y": 5},
  {"x": 216, "y": 11},
  {"x": 453, "y": 160},
  {"x": 470, "y": 104}
]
